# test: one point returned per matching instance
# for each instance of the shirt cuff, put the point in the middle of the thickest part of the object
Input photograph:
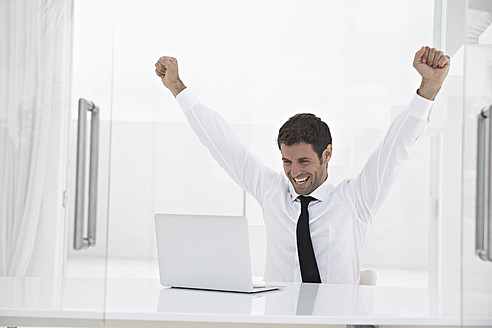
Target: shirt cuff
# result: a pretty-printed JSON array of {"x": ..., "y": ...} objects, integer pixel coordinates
[
  {"x": 420, "y": 107},
  {"x": 186, "y": 100}
]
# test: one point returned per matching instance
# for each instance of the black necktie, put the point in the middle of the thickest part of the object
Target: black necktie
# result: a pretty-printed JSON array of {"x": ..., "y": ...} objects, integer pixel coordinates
[{"x": 307, "y": 260}]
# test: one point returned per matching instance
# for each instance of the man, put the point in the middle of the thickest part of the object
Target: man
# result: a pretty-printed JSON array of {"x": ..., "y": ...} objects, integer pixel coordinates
[{"x": 315, "y": 231}]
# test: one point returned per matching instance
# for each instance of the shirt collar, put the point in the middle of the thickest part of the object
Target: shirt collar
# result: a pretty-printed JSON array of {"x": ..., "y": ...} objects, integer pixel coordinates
[{"x": 321, "y": 193}]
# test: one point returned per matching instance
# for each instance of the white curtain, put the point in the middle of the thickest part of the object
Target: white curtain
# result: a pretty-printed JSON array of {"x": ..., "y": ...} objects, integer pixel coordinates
[{"x": 34, "y": 91}]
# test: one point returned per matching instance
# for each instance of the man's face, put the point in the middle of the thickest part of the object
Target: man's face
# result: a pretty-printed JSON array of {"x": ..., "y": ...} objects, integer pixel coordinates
[{"x": 303, "y": 167}]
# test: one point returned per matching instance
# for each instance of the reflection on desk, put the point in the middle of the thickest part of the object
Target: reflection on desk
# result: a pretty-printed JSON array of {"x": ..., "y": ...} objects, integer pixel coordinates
[
  {"x": 294, "y": 299},
  {"x": 173, "y": 300},
  {"x": 144, "y": 302}
]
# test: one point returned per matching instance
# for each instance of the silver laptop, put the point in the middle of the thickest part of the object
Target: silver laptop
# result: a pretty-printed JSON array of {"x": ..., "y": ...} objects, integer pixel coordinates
[{"x": 205, "y": 252}]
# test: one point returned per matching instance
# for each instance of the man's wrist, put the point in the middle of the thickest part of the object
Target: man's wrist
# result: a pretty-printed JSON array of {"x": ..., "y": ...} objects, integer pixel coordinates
[
  {"x": 177, "y": 87},
  {"x": 429, "y": 89}
]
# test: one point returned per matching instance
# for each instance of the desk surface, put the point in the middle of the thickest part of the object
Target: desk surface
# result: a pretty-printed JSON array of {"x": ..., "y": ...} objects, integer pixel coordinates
[{"x": 132, "y": 302}]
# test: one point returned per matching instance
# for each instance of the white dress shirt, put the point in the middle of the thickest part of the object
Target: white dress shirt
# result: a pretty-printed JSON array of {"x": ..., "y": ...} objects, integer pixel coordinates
[{"x": 340, "y": 216}]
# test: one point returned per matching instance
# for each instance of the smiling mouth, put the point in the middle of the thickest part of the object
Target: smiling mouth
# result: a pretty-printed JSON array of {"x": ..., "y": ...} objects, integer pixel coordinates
[{"x": 301, "y": 181}]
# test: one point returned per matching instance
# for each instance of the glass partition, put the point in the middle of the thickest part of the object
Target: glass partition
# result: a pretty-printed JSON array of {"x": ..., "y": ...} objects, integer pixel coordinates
[
  {"x": 467, "y": 37},
  {"x": 55, "y": 127},
  {"x": 89, "y": 154},
  {"x": 476, "y": 234}
]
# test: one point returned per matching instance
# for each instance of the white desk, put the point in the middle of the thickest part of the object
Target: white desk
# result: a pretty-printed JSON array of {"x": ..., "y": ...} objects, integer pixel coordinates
[{"x": 144, "y": 303}]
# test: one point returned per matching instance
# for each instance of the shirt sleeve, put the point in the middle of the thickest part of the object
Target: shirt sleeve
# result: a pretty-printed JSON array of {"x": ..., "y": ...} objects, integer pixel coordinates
[
  {"x": 371, "y": 187},
  {"x": 215, "y": 134}
]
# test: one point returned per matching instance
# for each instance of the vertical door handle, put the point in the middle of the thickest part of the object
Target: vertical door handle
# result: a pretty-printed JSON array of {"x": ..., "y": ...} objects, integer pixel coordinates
[
  {"x": 488, "y": 233},
  {"x": 84, "y": 238},
  {"x": 483, "y": 249}
]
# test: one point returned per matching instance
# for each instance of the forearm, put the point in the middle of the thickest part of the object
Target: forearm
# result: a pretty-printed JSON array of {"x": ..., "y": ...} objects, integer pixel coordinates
[
  {"x": 215, "y": 134},
  {"x": 376, "y": 178}
]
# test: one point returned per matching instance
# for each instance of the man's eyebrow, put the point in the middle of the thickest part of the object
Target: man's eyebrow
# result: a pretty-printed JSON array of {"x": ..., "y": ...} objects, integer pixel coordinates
[{"x": 299, "y": 159}]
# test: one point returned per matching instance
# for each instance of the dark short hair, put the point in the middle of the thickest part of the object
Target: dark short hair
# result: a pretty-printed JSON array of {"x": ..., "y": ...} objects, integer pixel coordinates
[{"x": 306, "y": 128}]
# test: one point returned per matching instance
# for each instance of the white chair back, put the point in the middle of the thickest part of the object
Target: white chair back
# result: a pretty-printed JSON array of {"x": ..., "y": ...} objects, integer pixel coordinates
[{"x": 368, "y": 278}]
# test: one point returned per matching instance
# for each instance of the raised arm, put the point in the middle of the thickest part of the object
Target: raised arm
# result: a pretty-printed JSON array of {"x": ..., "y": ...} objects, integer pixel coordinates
[
  {"x": 371, "y": 187},
  {"x": 216, "y": 135}
]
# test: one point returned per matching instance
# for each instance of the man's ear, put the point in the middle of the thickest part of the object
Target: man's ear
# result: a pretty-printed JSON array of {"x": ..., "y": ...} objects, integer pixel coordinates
[{"x": 327, "y": 153}]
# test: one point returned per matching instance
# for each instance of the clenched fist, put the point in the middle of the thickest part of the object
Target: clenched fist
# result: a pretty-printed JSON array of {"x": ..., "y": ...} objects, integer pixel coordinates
[
  {"x": 433, "y": 66},
  {"x": 167, "y": 69}
]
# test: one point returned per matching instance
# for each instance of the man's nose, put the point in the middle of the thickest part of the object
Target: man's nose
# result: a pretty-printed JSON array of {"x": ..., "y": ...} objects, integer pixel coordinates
[{"x": 295, "y": 170}]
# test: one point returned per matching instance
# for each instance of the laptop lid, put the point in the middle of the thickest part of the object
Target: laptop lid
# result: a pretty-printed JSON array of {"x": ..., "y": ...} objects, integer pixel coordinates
[{"x": 204, "y": 252}]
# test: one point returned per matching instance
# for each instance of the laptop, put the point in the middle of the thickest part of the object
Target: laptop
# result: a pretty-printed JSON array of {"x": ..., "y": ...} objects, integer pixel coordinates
[{"x": 205, "y": 252}]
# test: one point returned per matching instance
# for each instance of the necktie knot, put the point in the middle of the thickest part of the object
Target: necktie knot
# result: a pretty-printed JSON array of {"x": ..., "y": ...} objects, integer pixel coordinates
[{"x": 305, "y": 200}]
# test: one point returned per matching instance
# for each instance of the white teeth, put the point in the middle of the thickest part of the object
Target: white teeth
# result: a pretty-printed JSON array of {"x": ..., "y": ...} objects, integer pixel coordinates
[{"x": 300, "y": 180}]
